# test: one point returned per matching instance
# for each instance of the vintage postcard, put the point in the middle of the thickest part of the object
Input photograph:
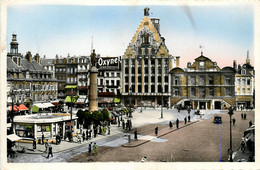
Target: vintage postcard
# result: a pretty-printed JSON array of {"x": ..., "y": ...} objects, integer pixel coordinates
[{"x": 121, "y": 85}]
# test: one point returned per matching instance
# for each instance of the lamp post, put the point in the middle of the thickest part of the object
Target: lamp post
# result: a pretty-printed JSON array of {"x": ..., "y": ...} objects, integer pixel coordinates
[
  {"x": 130, "y": 94},
  {"x": 70, "y": 136},
  {"x": 230, "y": 151},
  {"x": 141, "y": 103},
  {"x": 162, "y": 104}
]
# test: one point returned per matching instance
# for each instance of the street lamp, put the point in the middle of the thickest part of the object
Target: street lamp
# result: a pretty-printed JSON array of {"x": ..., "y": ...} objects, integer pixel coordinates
[
  {"x": 162, "y": 104},
  {"x": 130, "y": 94},
  {"x": 230, "y": 152}
]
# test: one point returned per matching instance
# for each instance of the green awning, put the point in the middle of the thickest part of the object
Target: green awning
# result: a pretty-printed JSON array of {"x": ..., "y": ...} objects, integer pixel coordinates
[
  {"x": 35, "y": 109},
  {"x": 74, "y": 99},
  {"x": 71, "y": 87},
  {"x": 116, "y": 100}
]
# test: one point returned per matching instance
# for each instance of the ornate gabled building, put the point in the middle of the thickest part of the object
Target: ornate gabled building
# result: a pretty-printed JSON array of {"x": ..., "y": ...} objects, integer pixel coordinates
[
  {"x": 203, "y": 85},
  {"x": 27, "y": 79},
  {"x": 245, "y": 85},
  {"x": 145, "y": 66}
]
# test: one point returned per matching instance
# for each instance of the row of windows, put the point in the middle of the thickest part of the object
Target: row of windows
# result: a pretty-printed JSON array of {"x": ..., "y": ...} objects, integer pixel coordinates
[
  {"x": 146, "y": 70},
  {"x": 166, "y": 79},
  {"x": 201, "y": 92},
  {"x": 146, "y": 88},
  {"x": 244, "y": 81},
  {"x": 109, "y": 82},
  {"x": 109, "y": 74},
  {"x": 201, "y": 80},
  {"x": 146, "y": 61}
]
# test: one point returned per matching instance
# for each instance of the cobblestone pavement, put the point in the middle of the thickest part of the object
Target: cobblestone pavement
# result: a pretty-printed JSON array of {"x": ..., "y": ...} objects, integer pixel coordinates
[{"x": 197, "y": 141}]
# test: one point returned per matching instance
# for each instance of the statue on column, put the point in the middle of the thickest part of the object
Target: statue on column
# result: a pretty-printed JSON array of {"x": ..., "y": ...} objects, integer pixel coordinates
[
  {"x": 146, "y": 11},
  {"x": 93, "y": 58}
]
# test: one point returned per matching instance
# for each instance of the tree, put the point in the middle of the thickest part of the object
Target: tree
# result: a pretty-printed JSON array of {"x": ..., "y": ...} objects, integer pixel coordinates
[
  {"x": 105, "y": 115},
  {"x": 88, "y": 118},
  {"x": 80, "y": 115}
]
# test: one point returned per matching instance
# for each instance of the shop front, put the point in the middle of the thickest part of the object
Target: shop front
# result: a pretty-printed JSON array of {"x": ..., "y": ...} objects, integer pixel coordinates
[{"x": 33, "y": 126}]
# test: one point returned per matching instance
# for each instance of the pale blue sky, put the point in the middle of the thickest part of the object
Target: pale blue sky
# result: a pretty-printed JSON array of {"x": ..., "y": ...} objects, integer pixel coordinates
[{"x": 225, "y": 32}]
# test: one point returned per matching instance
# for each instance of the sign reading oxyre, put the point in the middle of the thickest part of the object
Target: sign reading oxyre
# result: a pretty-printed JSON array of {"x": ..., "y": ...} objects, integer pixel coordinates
[{"x": 109, "y": 62}]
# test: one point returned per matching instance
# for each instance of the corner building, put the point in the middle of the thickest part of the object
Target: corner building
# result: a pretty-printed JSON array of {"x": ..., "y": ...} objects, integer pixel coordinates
[
  {"x": 203, "y": 85},
  {"x": 145, "y": 66}
]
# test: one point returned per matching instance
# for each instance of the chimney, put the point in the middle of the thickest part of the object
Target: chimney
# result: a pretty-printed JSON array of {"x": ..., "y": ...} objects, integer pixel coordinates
[
  {"x": 37, "y": 58},
  {"x": 247, "y": 58},
  {"x": 28, "y": 56},
  {"x": 156, "y": 24},
  {"x": 235, "y": 64},
  {"x": 177, "y": 61}
]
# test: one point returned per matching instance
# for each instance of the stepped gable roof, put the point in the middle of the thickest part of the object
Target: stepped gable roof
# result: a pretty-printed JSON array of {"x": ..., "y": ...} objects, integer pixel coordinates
[{"x": 146, "y": 22}]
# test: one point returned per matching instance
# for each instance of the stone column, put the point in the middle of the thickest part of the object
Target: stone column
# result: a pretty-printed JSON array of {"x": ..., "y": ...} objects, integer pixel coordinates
[
  {"x": 93, "y": 96},
  {"x": 51, "y": 136},
  {"x": 63, "y": 130},
  {"x": 35, "y": 130}
]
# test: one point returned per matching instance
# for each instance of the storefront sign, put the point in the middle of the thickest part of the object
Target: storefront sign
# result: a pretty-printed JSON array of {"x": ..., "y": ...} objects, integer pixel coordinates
[{"x": 109, "y": 62}]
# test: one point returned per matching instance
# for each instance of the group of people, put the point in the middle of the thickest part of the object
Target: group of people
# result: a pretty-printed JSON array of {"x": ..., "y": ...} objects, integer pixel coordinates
[
  {"x": 48, "y": 147},
  {"x": 177, "y": 122},
  {"x": 126, "y": 125},
  {"x": 243, "y": 115},
  {"x": 94, "y": 148}
]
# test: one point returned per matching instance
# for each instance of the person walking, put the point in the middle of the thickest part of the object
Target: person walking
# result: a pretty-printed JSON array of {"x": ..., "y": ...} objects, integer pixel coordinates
[
  {"x": 108, "y": 131},
  {"x": 83, "y": 136},
  {"x": 95, "y": 132},
  {"x": 89, "y": 148},
  {"x": 46, "y": 145},
  {"x": 245, "y": 116},
  {"x": 156, "y": 131},
  {"x": 189, "y": 118},
  {"x": 90, "y": 132},
  {"x": 136, "y": 135},
  {"x": 250, "y": 123},
  {"x": 50, "y": 151},
  {"x": 242, "y": 116},
  {"x": 243, "y": 146},
  {"x": 118, "y": 122},
  {"x": 95, "y": 148},
  {"x": 123, "y": 124},
  {"x": 170, "y": 124},
  {"x": 34, "y": 144},
  {"x": 42, "y": 138},
  {"x": 234, "y": 121},
  {"x": 185, "y": 120},
  {"x": 177, "y": 123}
]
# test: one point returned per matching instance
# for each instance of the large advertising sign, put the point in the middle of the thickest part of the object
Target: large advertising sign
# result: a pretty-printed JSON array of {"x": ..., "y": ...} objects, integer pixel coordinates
[{"x": 109, "y": 63}]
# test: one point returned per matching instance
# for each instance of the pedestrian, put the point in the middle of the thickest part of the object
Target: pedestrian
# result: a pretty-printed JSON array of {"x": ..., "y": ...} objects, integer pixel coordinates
[
  {"x": 185, "y": 120},
  {"x": 245, "y": 115},
  {"x": 144, "y": 159},
  {"x": 234, "y": 121},
  {"x": 89, "y": 148},
  {"x": 127, "y": 124},
  {"x": 170, "y": 124},
  {"x": 108, "y": 130},
  {"x": 34, "y": 144},
  {"x": 136, "y": 135},
  {"x": 50, "y": 152},
  {"x": 123, "y": 124},
  {"x": 130, "y": 124},
  {"x": 90, "y": 132},
  {"x": 177, "y": 123},
  {"x": 95, "y": 132},
  {"x": 46, "y": 145},
  {"x": 242, "y": 116},
  {"x": 156, "y": 131},
  {"x": 83, "y": 136},
  {"x": 42, "y": 138},
  {"x": 189, "y": 118},
  {"x": 243, "y": 144},
  {"x": 95, "y": 148},
  {"x": 250, "y": 123},
  {"x": 118, "y": 122}
]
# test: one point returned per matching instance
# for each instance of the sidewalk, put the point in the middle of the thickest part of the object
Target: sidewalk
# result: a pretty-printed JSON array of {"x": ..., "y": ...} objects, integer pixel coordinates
[{"x": 64, "y": 145}]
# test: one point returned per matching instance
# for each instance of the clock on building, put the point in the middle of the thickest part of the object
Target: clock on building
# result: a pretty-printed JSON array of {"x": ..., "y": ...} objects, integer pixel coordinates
[{"x": 202, "y": 63}]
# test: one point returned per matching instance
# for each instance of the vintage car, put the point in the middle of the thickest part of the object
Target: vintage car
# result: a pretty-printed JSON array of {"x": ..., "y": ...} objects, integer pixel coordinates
[{"x": 217, "y": 119}]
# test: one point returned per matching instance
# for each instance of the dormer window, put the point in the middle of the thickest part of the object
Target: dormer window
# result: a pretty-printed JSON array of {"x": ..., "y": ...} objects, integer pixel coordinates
[
  {"x": 243, "y": 71},
  {"x": 145, "y": 39}
]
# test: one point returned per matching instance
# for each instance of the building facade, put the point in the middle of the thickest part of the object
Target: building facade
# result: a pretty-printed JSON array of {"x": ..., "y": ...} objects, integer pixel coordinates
[
  {"x": 28, "y": 82},
  {"x": 203, "y": 85},
  {"x": 145, "y": 66},
  {"x": 245, "y": 85}
]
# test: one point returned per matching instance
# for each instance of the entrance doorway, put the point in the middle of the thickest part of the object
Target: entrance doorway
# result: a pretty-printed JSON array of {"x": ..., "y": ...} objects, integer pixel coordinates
[
  {"x": 217, "y": 105},
  {"x": 202, "y": 105}
]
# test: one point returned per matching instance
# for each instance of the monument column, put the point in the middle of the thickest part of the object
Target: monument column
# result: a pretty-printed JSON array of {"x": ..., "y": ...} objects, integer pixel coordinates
[{"x": 93, "y": 96}]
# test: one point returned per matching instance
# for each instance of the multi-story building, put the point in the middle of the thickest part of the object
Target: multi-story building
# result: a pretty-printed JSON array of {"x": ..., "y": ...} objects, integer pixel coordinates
[
  {"x": 48, "y": 64},
  {"x": 203, "y": 85},
  {"x": 109, "y": 79},
  {"x": 27, "y": 78},
  {"x": 245, "y": 85},
  {"x": 73, "y": 73},
  {"x": 145, "y": 66}
]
